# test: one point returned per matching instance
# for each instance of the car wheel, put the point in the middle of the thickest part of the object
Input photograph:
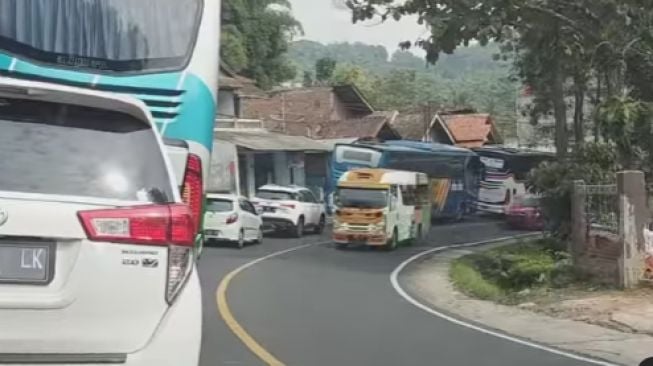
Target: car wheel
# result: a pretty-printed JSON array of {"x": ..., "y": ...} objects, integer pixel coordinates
[
  {"x": 241, "y": 240},
  {"x": 319, "y": 229},
  {"x": 298, "y": 230},
  {"x": 394, "y": 241},
  {"x": 259, "y": 236}
]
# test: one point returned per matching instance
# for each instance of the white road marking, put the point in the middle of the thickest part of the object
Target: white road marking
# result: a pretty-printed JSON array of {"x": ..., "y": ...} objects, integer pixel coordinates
[{"x": 394, "y": 279}]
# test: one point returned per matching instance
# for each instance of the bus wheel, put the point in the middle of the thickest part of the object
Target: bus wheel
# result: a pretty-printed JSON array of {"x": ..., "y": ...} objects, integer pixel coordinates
[
  {"x": 460, "y": 215},
  {"x": 393, "y": 243}
]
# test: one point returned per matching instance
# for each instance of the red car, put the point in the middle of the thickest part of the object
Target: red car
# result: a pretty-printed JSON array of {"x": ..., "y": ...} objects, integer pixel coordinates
[{"x": 525, "y": 214}]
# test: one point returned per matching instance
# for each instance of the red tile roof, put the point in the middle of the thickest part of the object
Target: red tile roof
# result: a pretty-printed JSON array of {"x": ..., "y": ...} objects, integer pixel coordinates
[{"x": 469, "y": 130}]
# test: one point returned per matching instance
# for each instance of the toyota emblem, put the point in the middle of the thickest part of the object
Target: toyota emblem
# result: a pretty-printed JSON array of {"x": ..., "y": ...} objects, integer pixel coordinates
[{"x": 4, "y": 216}]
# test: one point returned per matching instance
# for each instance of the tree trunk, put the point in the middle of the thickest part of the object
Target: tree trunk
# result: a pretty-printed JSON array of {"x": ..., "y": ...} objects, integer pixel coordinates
[
  {"x": 579, "y": 105},
  {"x": 597, "y": 102},
  {"x": 559, "y": 109}
]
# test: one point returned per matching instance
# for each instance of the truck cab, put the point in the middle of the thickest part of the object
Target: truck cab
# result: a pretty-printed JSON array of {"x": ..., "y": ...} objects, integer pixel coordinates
[{"x": 381, "y": 208}]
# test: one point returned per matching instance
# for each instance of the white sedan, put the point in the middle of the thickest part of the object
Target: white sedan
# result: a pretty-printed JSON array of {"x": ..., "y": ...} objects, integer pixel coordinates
[{"x": 231, "y": 219}]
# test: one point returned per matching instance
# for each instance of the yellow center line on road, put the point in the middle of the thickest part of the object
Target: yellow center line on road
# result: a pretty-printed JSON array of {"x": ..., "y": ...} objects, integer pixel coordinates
[{"x": 226, "y": 314}]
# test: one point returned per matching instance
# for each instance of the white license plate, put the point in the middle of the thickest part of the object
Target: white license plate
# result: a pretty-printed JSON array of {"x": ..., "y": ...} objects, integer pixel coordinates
[{"x": 26, "y": 263}]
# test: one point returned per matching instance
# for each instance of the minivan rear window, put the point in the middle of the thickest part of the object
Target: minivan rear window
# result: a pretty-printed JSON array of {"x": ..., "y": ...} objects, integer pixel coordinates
[
  {"x": 63, "y": 149},
  {"x": 216, "y": 205}
]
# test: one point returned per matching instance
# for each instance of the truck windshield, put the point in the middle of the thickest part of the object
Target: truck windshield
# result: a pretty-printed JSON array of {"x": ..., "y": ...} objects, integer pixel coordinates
[
  {"x": 362, "y": 198},
  {"x": 114, "y": 35}
]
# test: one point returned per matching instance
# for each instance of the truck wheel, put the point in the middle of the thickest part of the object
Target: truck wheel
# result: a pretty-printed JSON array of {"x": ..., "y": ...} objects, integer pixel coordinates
[
  {"x": 393, "y": 243},
  {"x": 298, "y": 230}
]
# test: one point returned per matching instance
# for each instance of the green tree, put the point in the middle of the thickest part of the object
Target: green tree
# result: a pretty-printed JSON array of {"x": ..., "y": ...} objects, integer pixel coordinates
[
  {"x": 255, "y": 37},
  {"x": 324, "y": 69},
  {"x": 552, "y": 32},
  {"x": 308, "y": 79}
]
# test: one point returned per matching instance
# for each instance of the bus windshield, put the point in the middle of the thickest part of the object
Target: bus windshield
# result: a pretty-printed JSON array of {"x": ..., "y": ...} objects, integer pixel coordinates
[
  {"x": 112, "y": 35},
  {"x": 362, "y": 198}
]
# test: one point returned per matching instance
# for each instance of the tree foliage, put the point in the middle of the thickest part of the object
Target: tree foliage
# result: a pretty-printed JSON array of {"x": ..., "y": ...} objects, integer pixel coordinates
[
  {"x": 554, "y": 43},
  {"x": 324, "y": 69},
  {"x": 254, "y": 39}
]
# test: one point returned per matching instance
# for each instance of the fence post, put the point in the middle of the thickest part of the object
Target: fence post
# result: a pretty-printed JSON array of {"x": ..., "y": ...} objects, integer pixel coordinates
[
  {"x": 633, "y": 217},
  {"x": 578, "y": 220}
]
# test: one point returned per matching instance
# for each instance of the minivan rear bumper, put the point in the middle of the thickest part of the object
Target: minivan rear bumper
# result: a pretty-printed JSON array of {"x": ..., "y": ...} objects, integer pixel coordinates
[
  {"x": 178, "y": 337},
  {"x": 176, "y": 341}
]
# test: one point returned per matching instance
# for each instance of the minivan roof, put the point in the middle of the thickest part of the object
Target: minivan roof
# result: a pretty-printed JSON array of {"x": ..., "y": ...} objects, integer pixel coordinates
[{"x": 56, "y": 93}]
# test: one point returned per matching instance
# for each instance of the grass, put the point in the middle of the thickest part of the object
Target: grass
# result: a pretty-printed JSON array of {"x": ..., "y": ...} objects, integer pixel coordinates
[
  {"x": 469, "y": 280},
  {"x": 514, "y": 273}
]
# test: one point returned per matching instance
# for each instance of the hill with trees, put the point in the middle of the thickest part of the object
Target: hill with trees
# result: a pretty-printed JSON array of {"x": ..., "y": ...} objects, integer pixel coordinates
[{"x": 406, "y": 82}]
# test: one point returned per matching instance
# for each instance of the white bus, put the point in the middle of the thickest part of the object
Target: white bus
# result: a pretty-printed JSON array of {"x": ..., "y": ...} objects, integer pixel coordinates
[{"x": 506, "y": 172}]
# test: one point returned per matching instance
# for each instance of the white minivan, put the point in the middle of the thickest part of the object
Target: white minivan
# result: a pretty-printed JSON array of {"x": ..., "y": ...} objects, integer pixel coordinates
[
  {"x": 232, "y": 219},
  {"x": 96, "y": 246}
]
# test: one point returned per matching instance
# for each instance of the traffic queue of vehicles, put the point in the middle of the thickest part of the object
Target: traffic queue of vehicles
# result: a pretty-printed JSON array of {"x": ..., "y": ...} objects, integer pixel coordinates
[
  {"x": 382, "y": 189},
  {"x": 103, "y": 204}
]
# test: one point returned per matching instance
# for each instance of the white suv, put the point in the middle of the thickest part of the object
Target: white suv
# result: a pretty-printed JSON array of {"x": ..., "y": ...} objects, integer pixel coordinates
[
  {"x": 96, "y": 246},
  {"x": 290, "y": 208}
]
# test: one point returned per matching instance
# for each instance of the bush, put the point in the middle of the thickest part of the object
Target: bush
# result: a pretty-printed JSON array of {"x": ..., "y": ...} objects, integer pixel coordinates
[{"x": 506, "y": 271}]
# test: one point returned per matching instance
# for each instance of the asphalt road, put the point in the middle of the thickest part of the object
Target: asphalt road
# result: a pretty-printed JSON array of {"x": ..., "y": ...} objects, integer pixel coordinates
[{"x": 319, "y": 306}]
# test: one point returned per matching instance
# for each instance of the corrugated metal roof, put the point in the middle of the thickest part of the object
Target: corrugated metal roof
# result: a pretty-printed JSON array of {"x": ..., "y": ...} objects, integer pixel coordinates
[{"x": 261, "y": 140}]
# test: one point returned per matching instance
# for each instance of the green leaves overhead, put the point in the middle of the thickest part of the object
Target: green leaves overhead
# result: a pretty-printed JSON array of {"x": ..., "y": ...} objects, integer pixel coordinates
[{"x": 255, "y": 38}]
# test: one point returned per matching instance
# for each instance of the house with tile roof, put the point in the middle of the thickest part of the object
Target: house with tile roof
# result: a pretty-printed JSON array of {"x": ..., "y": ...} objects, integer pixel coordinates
[
  {"x": 463, "y": 128},
  {"x": 321, "y": 112}
]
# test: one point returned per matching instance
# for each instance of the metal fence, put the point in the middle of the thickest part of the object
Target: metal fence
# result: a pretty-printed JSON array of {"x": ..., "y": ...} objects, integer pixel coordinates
[{"x": 602, "y": 206}]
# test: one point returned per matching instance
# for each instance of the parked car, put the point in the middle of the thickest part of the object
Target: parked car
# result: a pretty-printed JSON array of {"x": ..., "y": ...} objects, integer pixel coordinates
[
  {"x": 525, "y": 214},
  {"x": 231, "y": 219},
  {"x": 292, "y": 209},
  {"x": 96, "y": 245}
]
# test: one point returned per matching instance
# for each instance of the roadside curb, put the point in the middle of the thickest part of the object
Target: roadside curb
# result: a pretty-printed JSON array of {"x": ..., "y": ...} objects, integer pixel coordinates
[{"x": 423, "y": 280}]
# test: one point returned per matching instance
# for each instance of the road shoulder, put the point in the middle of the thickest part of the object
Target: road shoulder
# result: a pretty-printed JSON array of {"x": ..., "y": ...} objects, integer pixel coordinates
[{"x": 427, "y": 279}]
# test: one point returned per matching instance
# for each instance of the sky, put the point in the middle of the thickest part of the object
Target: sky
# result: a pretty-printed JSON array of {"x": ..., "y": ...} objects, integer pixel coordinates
[{"x": 326, "y": 22}]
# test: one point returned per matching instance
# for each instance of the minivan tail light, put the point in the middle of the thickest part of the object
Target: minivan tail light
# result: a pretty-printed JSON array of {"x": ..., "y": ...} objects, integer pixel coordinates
[
  {"x": 159, "y": 225},
  {"x": 290, "y": 206},
  {"x": 192, "y": 189}
]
